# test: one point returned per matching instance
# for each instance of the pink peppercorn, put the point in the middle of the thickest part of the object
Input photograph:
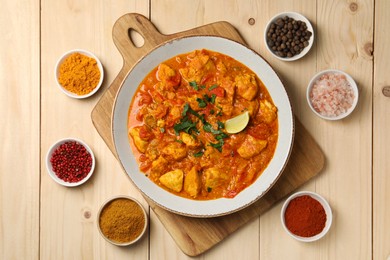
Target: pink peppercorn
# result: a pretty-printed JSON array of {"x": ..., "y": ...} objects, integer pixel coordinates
[{"x": 71, "y": 161}]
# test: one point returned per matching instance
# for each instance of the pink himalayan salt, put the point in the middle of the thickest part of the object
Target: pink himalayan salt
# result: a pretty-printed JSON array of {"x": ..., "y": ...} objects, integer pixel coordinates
[{"x": 332, "y": 95}]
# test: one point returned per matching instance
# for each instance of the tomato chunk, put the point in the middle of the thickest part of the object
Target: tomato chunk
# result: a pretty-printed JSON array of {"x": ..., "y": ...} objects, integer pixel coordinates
[{"x": 218, "y": 91}]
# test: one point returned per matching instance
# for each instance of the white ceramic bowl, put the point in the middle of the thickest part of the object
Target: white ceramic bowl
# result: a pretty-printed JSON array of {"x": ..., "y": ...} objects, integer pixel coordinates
[
  {"x": 297, "y": 17},
  {"x": 324, "y": 204},
  {"x": 352, "y": 84},
  {"x": 49, "y": 165},
  {"x": 143, "y": 230},
  {"x": 86, "y": 53},
  {"x": 206, "y": 208}
]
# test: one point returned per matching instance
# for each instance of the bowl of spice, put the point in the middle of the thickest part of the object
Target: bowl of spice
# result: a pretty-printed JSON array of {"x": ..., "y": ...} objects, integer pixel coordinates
[
  {"x": 122, "y": 220},
  {"x": 289, "y": 36},
  {"x": 70, "y": 162},
  {"x": 332, "y": 94},
  {"x": 306, "y": 216},
  {"x": 79, "y": 73}
]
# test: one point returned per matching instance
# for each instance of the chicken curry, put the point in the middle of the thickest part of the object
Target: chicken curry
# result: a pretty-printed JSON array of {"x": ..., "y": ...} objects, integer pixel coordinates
[{"x": 176, "y": 126}]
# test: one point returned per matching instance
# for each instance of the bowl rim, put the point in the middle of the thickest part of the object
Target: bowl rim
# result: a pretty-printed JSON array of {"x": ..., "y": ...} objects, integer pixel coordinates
[
  {"x": 296, "y": 16},
  {"x": 207, "y": 208},
  {"x": 86, "y": 53},
  {"x": 325, "y": 205},
  {"x": 351, "y": 82},
  {"x": 106, "y": 202},
  {"x": 54, "y": 176}
]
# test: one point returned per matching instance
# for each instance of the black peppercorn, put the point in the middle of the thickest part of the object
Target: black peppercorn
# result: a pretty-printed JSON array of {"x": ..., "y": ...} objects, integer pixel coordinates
[{"x": 288, "y": 37}]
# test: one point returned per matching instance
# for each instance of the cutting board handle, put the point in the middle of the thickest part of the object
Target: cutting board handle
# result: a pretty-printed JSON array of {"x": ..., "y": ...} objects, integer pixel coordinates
[{"x": 121, "y": 37}]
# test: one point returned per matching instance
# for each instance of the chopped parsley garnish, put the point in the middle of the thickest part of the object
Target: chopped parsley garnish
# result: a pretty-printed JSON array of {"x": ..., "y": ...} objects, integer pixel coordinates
[
  {"x": 185, "y": 124},
  {"x": 194, "y": 85},
  {"x": 212, "y": 99},
  {"x": 198, "y": 154},
  {"x": 218, "y": 145},
  {"x": 191, "y": 111},
  {"x": 213, "y": 87},
  {"x": 185, "y": 110},
  {"x": 188, "y": 126},
  {"x": 209, "y": 128},
  {"x": 221, "y": 136},
  {"x": 201, "y": 103}
]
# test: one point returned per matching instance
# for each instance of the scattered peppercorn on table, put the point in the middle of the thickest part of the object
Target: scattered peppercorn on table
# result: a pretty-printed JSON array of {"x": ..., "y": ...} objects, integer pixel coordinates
[{"x": 49, "y": 221}]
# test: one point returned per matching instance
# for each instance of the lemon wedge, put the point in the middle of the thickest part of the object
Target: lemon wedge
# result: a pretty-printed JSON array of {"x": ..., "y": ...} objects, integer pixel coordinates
[{"x": 237, "y": 124}]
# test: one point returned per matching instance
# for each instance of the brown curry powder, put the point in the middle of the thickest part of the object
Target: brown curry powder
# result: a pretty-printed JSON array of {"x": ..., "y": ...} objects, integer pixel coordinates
[
  {"x": 122, "y": 220},
  {"x": 79, "y": 74}
]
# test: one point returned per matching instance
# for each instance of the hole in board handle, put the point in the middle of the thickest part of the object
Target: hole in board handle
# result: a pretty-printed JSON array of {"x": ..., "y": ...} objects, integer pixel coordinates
[{"x": 136, "y": 38}]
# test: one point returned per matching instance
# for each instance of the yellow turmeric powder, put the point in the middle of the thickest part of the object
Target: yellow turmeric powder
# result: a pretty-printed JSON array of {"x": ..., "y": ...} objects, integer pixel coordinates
[
  {"x": 122, "y": 220},
  {"x": 79, "y": 74}
]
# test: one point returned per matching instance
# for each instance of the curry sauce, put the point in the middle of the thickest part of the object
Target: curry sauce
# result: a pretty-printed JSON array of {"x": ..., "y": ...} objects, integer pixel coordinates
[{"x": 176, "y": 126}]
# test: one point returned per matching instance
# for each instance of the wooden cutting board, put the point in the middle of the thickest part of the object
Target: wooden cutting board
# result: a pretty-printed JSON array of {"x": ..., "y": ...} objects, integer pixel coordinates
[{"x": 195, "y": 235}]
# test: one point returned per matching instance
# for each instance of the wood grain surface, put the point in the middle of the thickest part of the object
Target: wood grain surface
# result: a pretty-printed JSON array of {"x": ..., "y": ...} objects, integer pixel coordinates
[
  {"x": 381, "y": 140},
  {"x": 195, "y": 236},
  {"x": 42, "y": 220}
]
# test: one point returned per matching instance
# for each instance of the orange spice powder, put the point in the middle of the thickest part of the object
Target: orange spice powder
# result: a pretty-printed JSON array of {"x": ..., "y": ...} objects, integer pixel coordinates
[
  {"x": 79, "y": 74},
  {"x": 122, "y": 220}
]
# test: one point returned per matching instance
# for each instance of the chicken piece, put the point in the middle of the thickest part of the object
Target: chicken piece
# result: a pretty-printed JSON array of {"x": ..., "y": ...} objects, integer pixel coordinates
[
  {"x": 214, "y": 177},
  {"x": 251, "y": 147},
  {"x": 253, "y": 107},
  {"x": 189, "y": 140},
  {"x": 190, "y": 74},
  {"x": 229, "y": 86},
  {"x": 242, "y": 104},
  {"x": 193, "y": 101},
  {"x": 246, "y": 86},
  {"x": 192, "y": 183},
  {"x": 152, "y": 151},
  {"x": 173, "y": 116},
  {"x": 173, "y": 180},
  {"x": 169, "y": 94},
  {"x": 267, "y": 111},
  {"x": 140, "y": 144},
  {"x": 150, "y": 121},
  {"x": 209, "y": 157},
  {"x": 199, "y": 61},
  {"x": 159, "y": 166},
  {"x": 221, "y": 67},
  {"x": 175, "y": 151},
  {"x": 175, "y": 112},
  {"x": 161, "y": 123},
  {"x": 226, "y": 102},
  {"x": 158, "y": 111},
  {"x": 164, "y": 72},
  {"x": 198, "y": 65},
  {"x": 168, "y": 78}
]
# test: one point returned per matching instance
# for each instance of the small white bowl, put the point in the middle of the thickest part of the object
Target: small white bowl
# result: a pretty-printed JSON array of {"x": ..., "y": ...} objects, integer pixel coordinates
[
  {"x": 132, "y": 241},
  {"x": 53, "y": 175},
  {"x": 86, "y": 53},
  {"x": 324, "y": 204},
  {"x": 350, "y": 81},
  {"x": 297, "y": 17}
]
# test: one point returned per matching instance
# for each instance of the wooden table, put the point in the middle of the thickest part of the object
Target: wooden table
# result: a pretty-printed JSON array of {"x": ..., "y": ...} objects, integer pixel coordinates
[{"x": 41, "y": 220}]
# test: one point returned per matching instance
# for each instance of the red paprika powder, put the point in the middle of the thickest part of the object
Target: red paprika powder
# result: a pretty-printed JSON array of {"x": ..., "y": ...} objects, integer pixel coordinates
[
  {"x": 305, "y": 216},
  {"x": 71, "y": 161}
]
